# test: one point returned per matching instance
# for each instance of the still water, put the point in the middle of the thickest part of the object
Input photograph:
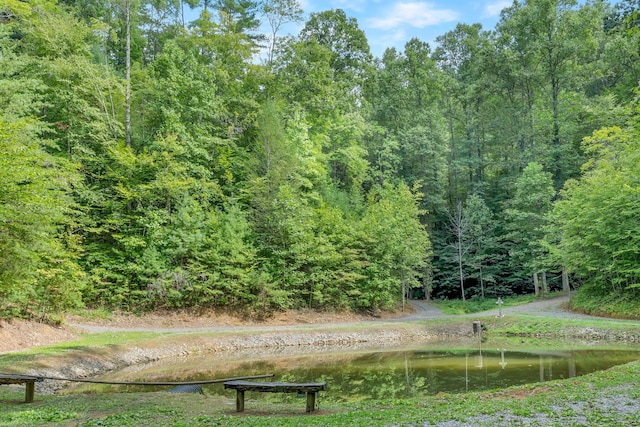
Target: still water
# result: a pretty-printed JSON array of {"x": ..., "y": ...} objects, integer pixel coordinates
[{"x": 366, "y": 375}]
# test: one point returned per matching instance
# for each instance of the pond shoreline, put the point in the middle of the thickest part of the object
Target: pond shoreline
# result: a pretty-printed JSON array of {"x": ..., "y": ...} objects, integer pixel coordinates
[
  {"x": 92, "y": 362},
  {"x": 423, "y": 326}
]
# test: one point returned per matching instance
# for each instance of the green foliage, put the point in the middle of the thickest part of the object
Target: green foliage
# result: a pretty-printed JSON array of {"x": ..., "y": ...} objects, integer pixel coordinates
[
  {"x": 39, "y": 274},
  {"x": 286, "y": 184},
  {"x": 591, "y": 299},
  {"x": 597, "y": 215},
  {"x": 484, "y": 253},
  {"x": 477, "y": 305},
  {"x": 350, "y": 56},
  {"x": 527, "y": 216},
  {"x": 396, "y": 245}
]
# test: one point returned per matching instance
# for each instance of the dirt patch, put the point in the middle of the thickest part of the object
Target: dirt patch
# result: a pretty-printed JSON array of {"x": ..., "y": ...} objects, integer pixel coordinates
[
  {"x": 21, "y": 334},
  {"x": 189, "y": 319}
]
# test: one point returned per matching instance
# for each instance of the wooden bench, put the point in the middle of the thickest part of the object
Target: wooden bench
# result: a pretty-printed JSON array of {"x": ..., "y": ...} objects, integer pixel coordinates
[
  {"x": 241, "y": 386},
  {"x": 28, "y": 380}
]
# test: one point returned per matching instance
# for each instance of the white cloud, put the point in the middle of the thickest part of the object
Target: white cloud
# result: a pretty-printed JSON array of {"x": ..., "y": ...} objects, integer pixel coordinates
[
  {"x": 380, "y": 42},
  {"x": 355, "y": 5},
  {"x": 415, "y": 14},
  {"x": 494, "y": 9}
]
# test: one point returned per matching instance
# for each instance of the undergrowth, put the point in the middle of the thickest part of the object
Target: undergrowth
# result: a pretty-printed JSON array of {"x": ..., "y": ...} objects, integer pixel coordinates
[
  {"x": 612, "y": 305},
  {"x": 477, "y": 305}
]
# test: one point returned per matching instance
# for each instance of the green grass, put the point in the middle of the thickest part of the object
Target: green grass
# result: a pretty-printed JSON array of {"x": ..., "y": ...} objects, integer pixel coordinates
[
  {"x": 615, "y": 305},
  {"x": 476, "y": 305},
  {"x": 92, "y": 342},
  {"x": 604, "y": 330}
]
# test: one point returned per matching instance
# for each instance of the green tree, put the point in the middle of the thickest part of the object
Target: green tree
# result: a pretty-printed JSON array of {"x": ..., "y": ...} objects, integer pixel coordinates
[
  {"x": 395, "y": 244},
  {"x": 279, "y": 13},
  {"x": 350, "y": 53},
  {"x": 484, "y": 252},
  {"x": 459, "y": 229},
  {"x": 542, "y": 44},
  {"x": 39, "y": 274},
  {"x": 527, "y": 216},
  {"x": 597, "y": 215}
]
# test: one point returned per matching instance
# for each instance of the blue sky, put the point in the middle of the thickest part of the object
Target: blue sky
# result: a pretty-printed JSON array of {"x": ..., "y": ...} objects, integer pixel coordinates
[{"x": 393, "y": 23}]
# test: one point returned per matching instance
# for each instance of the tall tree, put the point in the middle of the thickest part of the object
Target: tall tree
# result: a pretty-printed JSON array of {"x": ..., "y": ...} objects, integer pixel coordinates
[
  {"x": 127, "y": 66},
  {"x": 526, "y": 218},
  {"x": 484, "y": 251},
  {"x": 39, "y": 274},
  {"x": 396, "y": 245},
  {"x": 350, "y": 53},
  {"x": 597, "y": 216},
  {"x": 278, "y": 14},
  {"x": 241, "y": 12},
  {"x": 546, "y": 40},
  {"x": 459, "y": 227}
]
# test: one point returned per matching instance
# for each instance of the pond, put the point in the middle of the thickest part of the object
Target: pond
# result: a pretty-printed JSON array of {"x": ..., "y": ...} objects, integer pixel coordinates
[{"x": 374, "y": 374}]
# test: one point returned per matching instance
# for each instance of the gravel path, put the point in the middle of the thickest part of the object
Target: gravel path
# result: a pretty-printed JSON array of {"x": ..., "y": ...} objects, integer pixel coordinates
[{"x": 552, "y": 307}]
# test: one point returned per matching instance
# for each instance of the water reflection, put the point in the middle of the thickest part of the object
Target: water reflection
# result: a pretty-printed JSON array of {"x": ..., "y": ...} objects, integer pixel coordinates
[{"x": 387, "y": 374}]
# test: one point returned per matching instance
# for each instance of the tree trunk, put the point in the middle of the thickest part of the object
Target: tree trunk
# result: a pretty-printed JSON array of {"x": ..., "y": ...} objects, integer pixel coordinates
[
  {"x": 404, "y": 293},
  {"x": 536, "y": 285},
  {"x": 481, "y": 282},
  {"x": 460, "y": 266},
  {"x": 426, "y": 283},
  {"x": 565, "y": 281},
  {"x": 545, "y": 286},
  {"x": 128, "y": 73}
]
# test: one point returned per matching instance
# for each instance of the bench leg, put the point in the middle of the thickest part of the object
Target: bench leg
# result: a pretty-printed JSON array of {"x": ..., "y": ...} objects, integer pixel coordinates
[
  {"x": 239, "y": 400},
  {"x": 29, "y": 392},
  {"x": 311, "y": 401}
]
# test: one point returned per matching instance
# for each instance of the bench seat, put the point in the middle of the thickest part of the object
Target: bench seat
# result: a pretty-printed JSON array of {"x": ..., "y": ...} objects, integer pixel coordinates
[
  {"x": 28, "y": 380},
  {"x": 275, "y": 387}
]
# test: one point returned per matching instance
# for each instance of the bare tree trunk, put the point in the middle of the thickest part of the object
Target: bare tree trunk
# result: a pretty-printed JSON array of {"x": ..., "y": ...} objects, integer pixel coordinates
[
  {"x": 545, "y": 286},
  {"x": 481, "y": 282},
  {"x": 128, "y": 73},
  {"x": 459, "y": 228},
  {"x": 404, "y": 293},
  {"x": 426, "y": 283},
  {"x": 565, "y": 281},
  {"x": 460, "y": 266},
  {"x": 536, "y": 285}
]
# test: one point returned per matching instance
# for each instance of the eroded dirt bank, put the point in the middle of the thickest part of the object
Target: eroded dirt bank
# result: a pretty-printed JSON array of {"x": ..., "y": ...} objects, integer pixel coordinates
[{"x": 21, "y": 335}]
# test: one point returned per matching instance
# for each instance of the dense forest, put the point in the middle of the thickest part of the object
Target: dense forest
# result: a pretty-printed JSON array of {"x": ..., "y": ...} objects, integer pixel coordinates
[{"x": 149, "y": 162}]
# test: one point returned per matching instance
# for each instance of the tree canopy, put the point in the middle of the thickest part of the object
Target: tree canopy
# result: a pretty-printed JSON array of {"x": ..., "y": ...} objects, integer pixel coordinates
[{"x": 204, "y": 164}]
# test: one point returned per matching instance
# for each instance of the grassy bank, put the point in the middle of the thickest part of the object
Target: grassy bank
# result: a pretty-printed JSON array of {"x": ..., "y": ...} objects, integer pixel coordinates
[{"x": 620, "y": 305}]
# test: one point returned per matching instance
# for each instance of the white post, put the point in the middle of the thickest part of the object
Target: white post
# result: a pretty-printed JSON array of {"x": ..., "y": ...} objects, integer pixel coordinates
[{"x": 499, "y": 302}]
